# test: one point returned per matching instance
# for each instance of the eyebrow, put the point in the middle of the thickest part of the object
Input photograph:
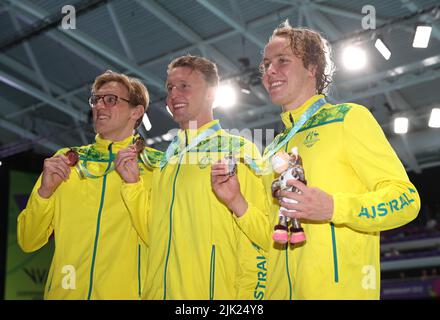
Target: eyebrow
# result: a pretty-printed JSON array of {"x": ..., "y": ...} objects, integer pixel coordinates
[
  {"x": 277, "y": 56},
  {"x": 178, "y": 81}
]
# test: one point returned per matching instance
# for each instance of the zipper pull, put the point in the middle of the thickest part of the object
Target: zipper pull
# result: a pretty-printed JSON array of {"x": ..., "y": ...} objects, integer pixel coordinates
[{"x": 291, "y": 119}]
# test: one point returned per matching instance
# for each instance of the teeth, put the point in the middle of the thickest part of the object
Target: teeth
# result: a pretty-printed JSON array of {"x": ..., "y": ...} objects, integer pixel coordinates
[
  {"x": 276, "y": 84},
  {"x": 179, "y": 105}
]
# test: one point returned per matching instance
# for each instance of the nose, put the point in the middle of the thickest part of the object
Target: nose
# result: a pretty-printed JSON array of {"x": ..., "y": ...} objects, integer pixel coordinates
[
  {"x": 172, "y": 92},
  {"x": 100, "y": 102},
  {"x": 271, "y": 69}
]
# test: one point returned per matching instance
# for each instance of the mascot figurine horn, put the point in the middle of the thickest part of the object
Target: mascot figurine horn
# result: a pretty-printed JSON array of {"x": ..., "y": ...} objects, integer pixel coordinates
[{"x": 289, "y": 167}]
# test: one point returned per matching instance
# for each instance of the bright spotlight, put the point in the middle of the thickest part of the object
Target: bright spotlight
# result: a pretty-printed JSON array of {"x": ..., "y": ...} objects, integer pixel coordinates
[
  {"x": 434, "y": 119},
  {"x": 421, "y": 38},
  {"x": 169, "y": 111},
  {"x": 167, "y": 136},
  {"x": 225, "y": 97},
  {"x": 354, "y": 58},
  {"x": 146, "y": 122},
  {"x": 382, "y": 48},
  {"x": 401, "y": 125}
]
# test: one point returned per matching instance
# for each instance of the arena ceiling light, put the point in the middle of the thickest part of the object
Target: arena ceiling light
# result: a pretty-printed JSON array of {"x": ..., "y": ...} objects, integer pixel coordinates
[
  {"x": 167, "y": 136},
  {"x": 244, "y": 87},
  {"x": 401, "y": 125},
  {"x": 169, "y": 111},
  {"x": 434, "y": 119},
  {"x": 146, "y": 122},
  {"x": 354, "y": 58},
  {"x": 225, "y": 97},
  {"x": 422, "y": 36},
  {"x": 382, "y": 48}
]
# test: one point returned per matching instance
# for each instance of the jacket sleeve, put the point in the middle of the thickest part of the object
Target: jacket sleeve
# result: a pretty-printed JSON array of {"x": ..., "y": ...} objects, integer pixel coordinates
[
  {"x": 390, "y": 200},
  {"x": 255, "y": 222},
  {"x": 136, "y": 199},
  {"x": 34, "y": 223}
]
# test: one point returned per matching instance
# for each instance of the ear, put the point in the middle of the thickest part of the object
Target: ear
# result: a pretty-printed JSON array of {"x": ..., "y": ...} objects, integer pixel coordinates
[
  {"x": 211, "y": 93},
  {"x": 312, "y": 71},
  {"x": 137, "y": 112}
]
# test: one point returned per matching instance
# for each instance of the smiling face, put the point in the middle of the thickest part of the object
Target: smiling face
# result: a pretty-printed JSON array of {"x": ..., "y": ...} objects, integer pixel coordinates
[
  {"x": 285, "y": 78},
  {"x": 115, "y": 123},
  {"x": 189, "y": 97}
]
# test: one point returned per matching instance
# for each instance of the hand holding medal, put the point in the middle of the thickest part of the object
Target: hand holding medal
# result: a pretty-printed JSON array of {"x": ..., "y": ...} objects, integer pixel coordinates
[
  {"x": 56, "y": 170},
  {"x": 126, "y": 161},
  {"x": 226, "y": 186}
]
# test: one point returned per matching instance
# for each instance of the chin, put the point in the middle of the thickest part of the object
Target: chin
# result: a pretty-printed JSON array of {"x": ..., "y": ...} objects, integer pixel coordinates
[{"x": 276, "y": 100}]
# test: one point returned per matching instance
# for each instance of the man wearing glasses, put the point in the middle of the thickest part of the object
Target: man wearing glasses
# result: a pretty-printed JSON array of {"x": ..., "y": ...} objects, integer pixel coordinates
[{"x": 98, "y": 254}]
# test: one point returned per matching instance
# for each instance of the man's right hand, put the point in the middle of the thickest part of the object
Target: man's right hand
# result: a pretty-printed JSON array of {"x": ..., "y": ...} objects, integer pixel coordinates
[
  {"x": 126, "y": 164},
  {"x": 55, "y": 170}
]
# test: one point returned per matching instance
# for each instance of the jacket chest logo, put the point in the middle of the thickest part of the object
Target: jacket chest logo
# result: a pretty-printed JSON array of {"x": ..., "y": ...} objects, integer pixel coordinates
[
  {"x": 204, "y": 162},
  {"x": 311, "y": 138}
]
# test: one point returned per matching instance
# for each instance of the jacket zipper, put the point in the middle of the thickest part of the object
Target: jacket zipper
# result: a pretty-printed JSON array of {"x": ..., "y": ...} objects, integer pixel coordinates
[
  {"x": 170, "y": 232},
  {"x": 335, "y": 253},
  {"x": 98, "y": 223},
  {"x": 139, "y": 272},
  {"x": 212, "y": 274}
]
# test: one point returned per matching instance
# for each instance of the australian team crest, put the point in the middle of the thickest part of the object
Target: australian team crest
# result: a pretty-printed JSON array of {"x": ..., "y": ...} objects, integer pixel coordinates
[
  {"x": 204, "y": 162},
  {"x": 311, "y": 138}
]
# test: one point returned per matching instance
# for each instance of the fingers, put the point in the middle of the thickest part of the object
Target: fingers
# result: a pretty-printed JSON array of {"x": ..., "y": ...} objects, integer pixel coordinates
[
  {"x": 124, "y": 156},
  {"x": 289, "y": 203},
  {"x": 219, "y": 170},
  {"x": 130, "y": 164},
  {"x": 293, "y": 214},
  {"x": 64, "y": 158},
  {"x": 220, "y": 175},
  {"x": 291, "y": 195},
  {"x": 219, "y": 167},
  {"x": 298, "y": 184},
  {"x": 57, "y": 165},
  {"x": 125, "y": 162},
  {"x": 220, "y": 179}
]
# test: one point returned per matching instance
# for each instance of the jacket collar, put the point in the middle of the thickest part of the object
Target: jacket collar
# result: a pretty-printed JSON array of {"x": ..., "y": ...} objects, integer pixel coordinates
[
  {"x": 187, "y": 135},
  {"x": 290, "y": 117},
  {"x": 103, "y": 145}
]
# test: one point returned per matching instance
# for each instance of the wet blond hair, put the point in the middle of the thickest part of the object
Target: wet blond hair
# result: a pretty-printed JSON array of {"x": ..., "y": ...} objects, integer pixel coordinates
[{"x": 312, "y": 49}]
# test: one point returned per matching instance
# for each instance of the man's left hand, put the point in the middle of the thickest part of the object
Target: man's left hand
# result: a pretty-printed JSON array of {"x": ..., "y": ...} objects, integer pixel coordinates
[
  {"x": 227, "y": 188},
  {"x": 313, "y": 203}
]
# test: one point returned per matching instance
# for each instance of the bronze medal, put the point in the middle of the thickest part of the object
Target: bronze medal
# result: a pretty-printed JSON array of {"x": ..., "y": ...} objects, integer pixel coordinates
[{"x": 73, "y": 157}]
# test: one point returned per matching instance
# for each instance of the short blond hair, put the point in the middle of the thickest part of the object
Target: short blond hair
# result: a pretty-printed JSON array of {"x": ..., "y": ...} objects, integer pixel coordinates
[
  {"x": 137, "y": 91},
  {"x": 206, "y": 67}
]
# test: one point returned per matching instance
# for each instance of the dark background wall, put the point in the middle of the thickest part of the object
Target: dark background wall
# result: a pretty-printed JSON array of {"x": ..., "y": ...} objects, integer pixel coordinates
[{"x": 28, "y": 162}]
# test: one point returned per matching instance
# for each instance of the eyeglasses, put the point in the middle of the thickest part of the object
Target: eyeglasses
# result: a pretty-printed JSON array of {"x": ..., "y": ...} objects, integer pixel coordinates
[{"x": 109, "y": 100}]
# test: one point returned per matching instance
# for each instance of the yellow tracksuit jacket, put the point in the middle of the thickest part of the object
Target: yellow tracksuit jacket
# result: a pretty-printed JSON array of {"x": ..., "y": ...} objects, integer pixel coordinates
[
  {"x": 346, "y": 154},
  {"x": 98, "y": 254},
  {"x": 195, "y": 248}
]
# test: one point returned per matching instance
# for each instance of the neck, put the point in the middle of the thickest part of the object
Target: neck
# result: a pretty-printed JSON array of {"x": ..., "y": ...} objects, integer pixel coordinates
[
  {"x": 115, "y": 137},
  {"x": 299, "y": 101},
  {"x": 195, "y": 123}
]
